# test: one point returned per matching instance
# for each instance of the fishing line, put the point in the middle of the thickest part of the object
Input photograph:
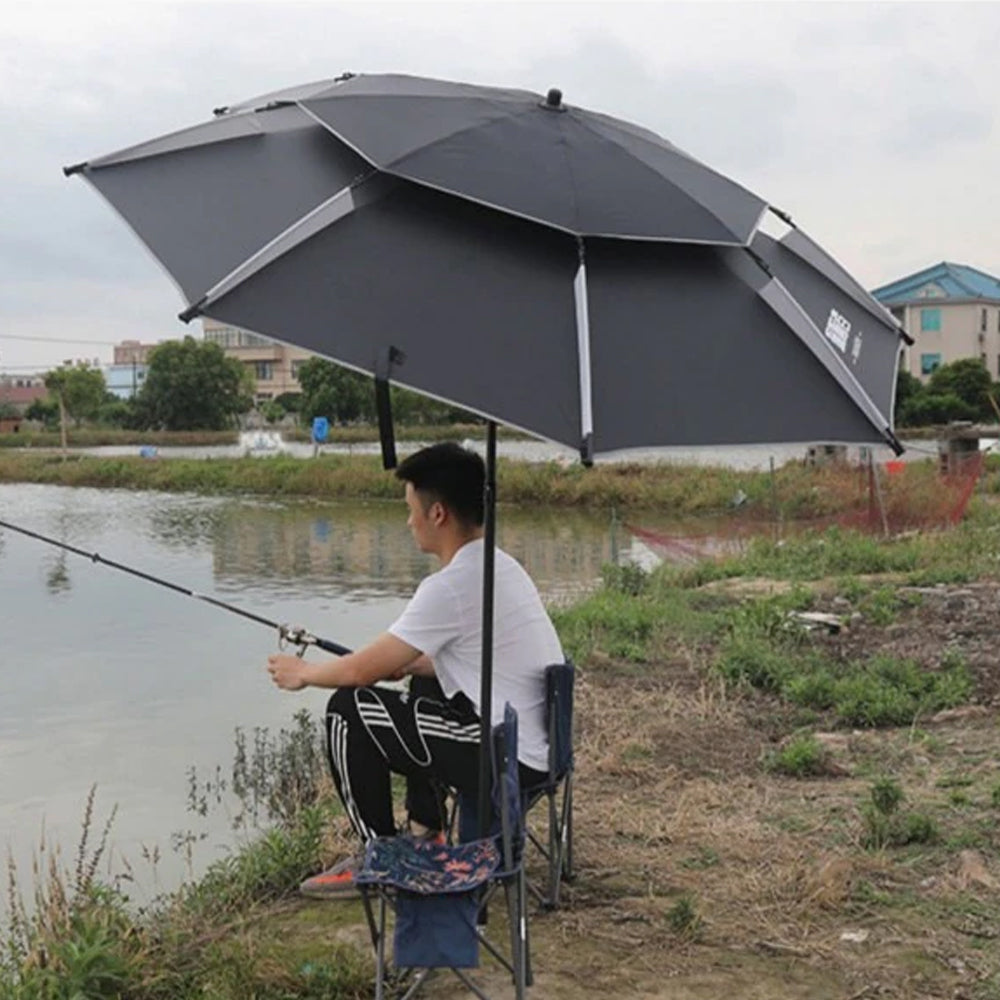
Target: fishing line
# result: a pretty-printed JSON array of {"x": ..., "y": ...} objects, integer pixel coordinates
[{"x": 290, "y": 633}]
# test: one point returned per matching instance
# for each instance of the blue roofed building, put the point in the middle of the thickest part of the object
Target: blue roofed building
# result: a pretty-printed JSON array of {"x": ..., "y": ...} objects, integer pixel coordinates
[{"x": 951, "y": 311}]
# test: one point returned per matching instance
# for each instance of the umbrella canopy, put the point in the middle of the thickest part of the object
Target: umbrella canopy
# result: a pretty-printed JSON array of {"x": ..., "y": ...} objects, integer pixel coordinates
[{"x": 467, "y": 227}]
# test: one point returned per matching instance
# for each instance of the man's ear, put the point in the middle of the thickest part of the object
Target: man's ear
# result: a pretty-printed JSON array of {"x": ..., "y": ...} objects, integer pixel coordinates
[{"x": 439, "y": 513}]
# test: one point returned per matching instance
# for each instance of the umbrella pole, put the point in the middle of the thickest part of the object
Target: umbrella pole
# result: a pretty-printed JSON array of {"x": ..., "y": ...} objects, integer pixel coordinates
[{"x": 486, "y": 675}]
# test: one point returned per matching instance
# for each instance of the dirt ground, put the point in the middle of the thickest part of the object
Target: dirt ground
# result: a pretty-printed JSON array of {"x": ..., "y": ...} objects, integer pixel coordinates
[{"x": 700, "y": 874}]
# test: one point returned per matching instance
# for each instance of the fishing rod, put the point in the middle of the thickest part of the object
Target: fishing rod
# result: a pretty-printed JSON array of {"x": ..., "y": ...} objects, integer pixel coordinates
[{"x": 292, "y": 634}]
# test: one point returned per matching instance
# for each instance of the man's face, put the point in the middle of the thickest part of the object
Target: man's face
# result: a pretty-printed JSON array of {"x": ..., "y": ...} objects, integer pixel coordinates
[{"x": 423, "y": 523}]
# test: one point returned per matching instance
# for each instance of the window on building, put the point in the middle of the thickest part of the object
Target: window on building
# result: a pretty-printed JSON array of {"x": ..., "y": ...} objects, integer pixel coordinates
[
  {"x": 264, "y": 370},
  {"x": 930, "y": 320},
  {"x": 983, "y": 320},
  {"x": 929, "y": 363}
]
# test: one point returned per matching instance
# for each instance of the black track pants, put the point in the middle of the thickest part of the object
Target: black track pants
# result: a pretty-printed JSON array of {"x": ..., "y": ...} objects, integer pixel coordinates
[{"x": 374, "y": 731}]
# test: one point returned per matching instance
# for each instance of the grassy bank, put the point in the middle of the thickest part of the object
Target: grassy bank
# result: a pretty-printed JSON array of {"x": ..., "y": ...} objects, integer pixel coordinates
[
  {"x": 751, "y": 788},
  {"x": 96, "y": 437},
  {"x": 794, "y": 491}
]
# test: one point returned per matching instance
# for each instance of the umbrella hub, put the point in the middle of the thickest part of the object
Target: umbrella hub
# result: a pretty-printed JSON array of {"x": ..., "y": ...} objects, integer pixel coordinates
[{"x": 553, "y": 101}]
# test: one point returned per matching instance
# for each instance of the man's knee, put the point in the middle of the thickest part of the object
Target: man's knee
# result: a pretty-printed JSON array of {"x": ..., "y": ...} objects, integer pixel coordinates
[{"x": 343, "y": 703}]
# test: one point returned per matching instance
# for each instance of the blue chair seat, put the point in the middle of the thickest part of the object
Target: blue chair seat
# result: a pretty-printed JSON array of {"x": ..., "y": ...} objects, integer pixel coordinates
[{"x": 423, "y": 867}]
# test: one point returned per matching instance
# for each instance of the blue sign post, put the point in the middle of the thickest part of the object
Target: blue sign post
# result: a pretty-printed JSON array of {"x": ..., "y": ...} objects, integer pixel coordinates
[{"x": 320, "y": 430}]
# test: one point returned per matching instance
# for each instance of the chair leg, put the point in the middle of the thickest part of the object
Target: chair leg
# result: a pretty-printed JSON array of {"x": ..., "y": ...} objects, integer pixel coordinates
[
  {"x": 380, "y": 950},
  {"x": 567, "y": 860},
  {"x": 526, "y": 978},
  {"x": 555, "y": 853}
]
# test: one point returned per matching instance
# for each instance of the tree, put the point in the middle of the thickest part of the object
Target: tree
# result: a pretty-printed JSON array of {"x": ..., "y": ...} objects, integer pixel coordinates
[
  {"x": 193, "y": 385},
  {"x": 45, "y": 411},
  {"x": 934, "y": 408},
  {"x": 908, "y": 387},
  {"x": 341, "y": 395},
  {"x": 335, "y": 392},
  {"x": 79, "y": 389},
  {"x": 969, "y": 380}
]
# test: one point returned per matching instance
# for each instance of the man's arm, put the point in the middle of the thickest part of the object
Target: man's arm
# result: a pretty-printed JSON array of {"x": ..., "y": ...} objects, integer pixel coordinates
[
  {"x": 422, "y": 666},
  {"x": 382, "y": 659}
]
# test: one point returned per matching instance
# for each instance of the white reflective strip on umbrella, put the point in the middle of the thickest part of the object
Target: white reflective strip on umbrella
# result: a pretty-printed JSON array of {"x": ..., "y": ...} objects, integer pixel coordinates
[
  {"x": 331, "y": 211},
  {"x": 583, "y": 344},
  {"x": 778, "y": 298},
  {"x": 217, "y": 130}
]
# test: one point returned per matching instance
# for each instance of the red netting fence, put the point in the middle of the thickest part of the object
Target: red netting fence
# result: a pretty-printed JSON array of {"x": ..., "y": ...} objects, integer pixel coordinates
[{"x": 886, "y": 500}]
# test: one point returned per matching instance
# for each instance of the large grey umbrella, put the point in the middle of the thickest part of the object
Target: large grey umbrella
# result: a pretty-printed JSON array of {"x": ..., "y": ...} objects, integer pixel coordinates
[
  {"x": 547, "y": 267},
  {"x": 656, "y": 295}
]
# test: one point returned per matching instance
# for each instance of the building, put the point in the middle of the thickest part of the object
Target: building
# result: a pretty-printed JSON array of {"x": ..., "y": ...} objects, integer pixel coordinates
[
  {"x": 274, "y": 366},
  {"x": 126, "y": 373},
  {"x": 951, "y": 311},
  {"x": 18, "y": 392},
  {"x": 132, "y": 352}
]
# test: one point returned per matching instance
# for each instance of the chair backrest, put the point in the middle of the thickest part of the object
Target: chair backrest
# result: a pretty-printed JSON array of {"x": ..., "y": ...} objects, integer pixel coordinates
[
  {"x": 507, "y": 788},
  {"x": 559, "y": 681}
]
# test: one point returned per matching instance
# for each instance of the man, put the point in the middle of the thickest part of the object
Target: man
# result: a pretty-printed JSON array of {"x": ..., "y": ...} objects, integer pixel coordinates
[{"x": 431, "y": 733}]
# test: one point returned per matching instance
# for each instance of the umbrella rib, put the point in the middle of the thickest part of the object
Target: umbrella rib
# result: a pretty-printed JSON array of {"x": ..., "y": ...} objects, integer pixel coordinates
[{"x": 324, "y": 215}]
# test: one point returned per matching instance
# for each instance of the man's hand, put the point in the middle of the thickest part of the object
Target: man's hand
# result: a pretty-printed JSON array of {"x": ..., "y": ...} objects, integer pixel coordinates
[
  {"x": 287, "y": 671},
  {"x": 386, "y": 657}
]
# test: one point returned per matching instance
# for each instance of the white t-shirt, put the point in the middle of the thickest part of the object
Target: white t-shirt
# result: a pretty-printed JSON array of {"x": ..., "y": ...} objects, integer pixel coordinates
[{"x": 444, "y": 620}]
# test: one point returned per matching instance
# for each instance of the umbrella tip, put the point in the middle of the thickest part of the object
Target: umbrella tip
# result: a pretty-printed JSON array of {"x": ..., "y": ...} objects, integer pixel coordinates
[{"x": 553, "y": 100}]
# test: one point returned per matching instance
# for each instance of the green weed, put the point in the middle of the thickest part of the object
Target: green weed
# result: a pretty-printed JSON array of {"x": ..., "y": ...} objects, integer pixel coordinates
[
  {"x": 683, "y": 916},
  {"x": 887, "y": 826},
  {"x": 803, "y": 756}
]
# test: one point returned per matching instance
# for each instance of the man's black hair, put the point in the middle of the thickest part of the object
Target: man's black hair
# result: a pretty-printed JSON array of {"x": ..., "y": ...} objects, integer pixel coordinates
[{"x": 449, "y": 474}]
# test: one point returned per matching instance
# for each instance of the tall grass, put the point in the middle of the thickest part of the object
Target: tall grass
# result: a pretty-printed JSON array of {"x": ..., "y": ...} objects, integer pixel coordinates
[
  {"x": 747, "y": 498},
  {"x": 80, "y": 939}
]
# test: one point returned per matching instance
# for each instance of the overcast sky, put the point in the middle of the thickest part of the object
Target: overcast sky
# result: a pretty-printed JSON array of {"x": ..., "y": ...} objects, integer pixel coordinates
[{"x": 875, "y": 125}]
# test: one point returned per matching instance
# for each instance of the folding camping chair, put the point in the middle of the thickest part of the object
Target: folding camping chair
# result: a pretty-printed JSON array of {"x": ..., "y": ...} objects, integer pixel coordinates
[
  {"x": 557, "y": 789},
  {"x": 437, "y": 892}
]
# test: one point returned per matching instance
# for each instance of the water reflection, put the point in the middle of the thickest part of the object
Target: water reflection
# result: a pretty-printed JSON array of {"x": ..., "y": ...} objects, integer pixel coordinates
[
  {"x": 57, "y": 577},
  {"x": 353, "y": 550}
]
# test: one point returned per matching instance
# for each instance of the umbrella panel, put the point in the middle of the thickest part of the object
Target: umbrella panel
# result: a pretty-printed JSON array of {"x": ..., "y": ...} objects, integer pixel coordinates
[
  {"x": 685, "y": 352},
  {"x": 204, "y": 209},
  {"x": 480, "y": 304}
]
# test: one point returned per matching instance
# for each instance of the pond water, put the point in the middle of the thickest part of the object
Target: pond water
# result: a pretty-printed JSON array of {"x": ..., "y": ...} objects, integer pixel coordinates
[{"x": 112, "y": 681}]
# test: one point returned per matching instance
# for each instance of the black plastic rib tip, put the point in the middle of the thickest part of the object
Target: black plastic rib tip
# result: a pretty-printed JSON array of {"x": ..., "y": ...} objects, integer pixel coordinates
[
  {"x": 77, "y": 168},
  {"x": 553, "y": 100},
  {"x": 894, "y": 442},
  {"x": 344, "y": 76},
  {"x": 192, "y": 312},
  {"x": 760, "y": 262},
  {"x": 784, "y": 216},
  {"x": 219, "y": 112}
]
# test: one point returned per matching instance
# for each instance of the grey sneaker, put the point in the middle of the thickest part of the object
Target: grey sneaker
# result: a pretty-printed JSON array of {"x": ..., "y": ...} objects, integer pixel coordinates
[{"x": 336, "y": 882}]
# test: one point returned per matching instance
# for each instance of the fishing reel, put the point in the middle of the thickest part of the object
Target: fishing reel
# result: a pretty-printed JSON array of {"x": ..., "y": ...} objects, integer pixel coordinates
[{"x": 297, "y": 636}]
